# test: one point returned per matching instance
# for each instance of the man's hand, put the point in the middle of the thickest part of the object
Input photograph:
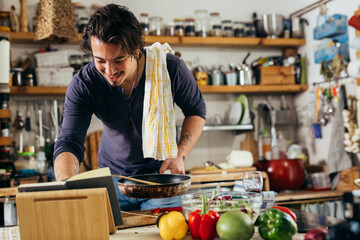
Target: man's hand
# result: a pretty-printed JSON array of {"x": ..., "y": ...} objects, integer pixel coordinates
[{"x": 176, "y": 165}]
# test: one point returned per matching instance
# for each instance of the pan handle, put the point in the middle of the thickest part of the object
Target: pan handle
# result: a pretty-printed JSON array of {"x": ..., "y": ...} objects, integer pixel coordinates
[{"x": 136, "y": 180}]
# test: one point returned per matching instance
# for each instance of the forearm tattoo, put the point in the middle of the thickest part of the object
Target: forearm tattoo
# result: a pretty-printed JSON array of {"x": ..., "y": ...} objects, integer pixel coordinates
[
  {"x": 185, "y": 139},
  {"x": 57, "y": 170},
  {"x": 76, "y": 166}
]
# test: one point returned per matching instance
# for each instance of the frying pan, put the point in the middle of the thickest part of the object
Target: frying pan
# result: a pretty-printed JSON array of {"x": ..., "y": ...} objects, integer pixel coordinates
[{"x": 171, "y": 185}]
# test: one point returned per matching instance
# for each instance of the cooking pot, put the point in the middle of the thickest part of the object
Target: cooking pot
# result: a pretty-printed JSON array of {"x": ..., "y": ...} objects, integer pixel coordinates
[
  {"x": 287, "y": 174},
  {"x": 171, "y": 185}
]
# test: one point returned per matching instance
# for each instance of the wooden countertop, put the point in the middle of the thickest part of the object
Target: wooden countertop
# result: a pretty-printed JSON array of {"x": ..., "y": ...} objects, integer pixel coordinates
[{"x": 308, "y": 196}]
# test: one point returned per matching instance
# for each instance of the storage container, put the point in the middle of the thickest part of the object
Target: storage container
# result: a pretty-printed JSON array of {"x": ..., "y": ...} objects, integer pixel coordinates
[
  {"x": 277, "y": 75},
  {"x": 54, "y": 76},
  {"x": 52, "y": 59}
]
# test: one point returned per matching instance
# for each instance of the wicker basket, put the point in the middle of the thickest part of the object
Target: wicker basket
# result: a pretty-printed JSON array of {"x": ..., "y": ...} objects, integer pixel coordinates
[{"x": 56, "y": 21}]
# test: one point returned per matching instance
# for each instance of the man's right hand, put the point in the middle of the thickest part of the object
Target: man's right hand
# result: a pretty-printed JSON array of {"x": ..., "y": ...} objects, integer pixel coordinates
[{"x": 66, "y": 165}]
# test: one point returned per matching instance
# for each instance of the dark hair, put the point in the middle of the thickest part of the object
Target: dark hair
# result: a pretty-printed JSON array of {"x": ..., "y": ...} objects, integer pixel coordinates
[{"x": 117, "y": 25}]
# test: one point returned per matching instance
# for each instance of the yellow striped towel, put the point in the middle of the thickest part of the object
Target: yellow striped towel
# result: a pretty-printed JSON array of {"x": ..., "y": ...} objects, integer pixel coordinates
[{"x": 158, "y": 123}]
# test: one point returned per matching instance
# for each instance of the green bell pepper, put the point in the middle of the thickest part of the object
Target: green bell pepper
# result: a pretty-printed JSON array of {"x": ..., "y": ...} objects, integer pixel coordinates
[{"x": 277, "y": 225}]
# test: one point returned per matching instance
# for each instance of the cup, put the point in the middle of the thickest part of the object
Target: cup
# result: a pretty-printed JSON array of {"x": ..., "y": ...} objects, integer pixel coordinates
[{"x": 253, "y": 181}]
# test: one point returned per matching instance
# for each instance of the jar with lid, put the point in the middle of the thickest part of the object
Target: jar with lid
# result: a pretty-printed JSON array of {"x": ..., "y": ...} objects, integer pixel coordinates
[
  {"x": 144, "y": 21},
  {"x": 25, "y": 162},
  {"x": 155, "y": 26},
  {"x": 215, "y": 24},
  {"x": 170, "y": 29},
  {"x": 4, "y": 101},
  {"x": 179, "y": 26},
  {"x": 5, "y": 21},
  {"x": 17, "y": 77},
  {"x": 250, "y": 30},
  {"x": 227, "y": 29},
  {"x": 239, "y": 29},
  {"x": 29, "y": 80},
  {"x": 81, "y": 14},
  {"x": 83, "y": 21},
  {"x": 190, "y": 27},
  {"x": 5, "y": 128},
  {"x": 201, "y": 23}
]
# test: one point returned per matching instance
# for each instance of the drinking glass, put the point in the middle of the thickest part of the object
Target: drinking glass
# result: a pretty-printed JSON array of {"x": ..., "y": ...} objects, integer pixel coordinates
[{"x": 253, "y": 181}]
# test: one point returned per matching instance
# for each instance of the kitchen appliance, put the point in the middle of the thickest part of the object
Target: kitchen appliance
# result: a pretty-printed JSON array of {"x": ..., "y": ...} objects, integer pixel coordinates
[
  {"x": 284, "y": 174},
  {"x": 273, "y": 25},
  {"x": 171, "y": 185}
]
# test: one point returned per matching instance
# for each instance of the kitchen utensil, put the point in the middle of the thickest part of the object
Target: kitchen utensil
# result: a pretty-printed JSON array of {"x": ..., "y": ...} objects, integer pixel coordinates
[
  {"x": 27, "y": 119},
  {"x": 285, "y": 174},
  {"x": 273, "y": 25},
  {"x": 298, "y": 27},
  {"x": 136, "y": 180},
  {"x": 171, "y": 185},
  {"x": 248, "y": 80},
  {"x": 210, "y": 163},
  {"x": 320, "y": 181}
]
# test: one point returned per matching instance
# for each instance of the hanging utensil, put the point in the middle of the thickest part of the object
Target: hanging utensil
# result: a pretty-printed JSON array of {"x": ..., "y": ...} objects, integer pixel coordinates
[
  {"x": 41, "y": 140},
  {"x": 27, "y": 119},
  {"x": 55, "y": 120}
]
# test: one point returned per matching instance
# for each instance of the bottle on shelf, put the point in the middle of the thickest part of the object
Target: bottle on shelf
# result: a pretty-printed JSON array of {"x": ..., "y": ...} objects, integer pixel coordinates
[
  {"x": 282, "y": 145},
  {"x": 266, "y": 145}
]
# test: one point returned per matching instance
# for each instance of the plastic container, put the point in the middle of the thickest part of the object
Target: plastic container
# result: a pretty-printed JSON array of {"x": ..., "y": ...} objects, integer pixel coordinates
[
  {"x": 54, "y": 76},
  {"x": 52, "y": 59},
  {"x": 320, "y": 181}
]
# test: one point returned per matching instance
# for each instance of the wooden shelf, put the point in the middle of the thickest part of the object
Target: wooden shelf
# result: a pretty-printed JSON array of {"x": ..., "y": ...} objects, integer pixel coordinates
[
  {"x": 254, "y": 89},
  {"x": 307, "y": 197},
  {"x": 5, "y": 113},
  {"x": 38, "y": 90},
  {"x": 5, "y": 141},
  {"x": 204, "y": 89},
  {"x": 21, "y": 37}
]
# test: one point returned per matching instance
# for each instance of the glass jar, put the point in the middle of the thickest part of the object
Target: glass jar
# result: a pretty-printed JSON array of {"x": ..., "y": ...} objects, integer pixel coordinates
[
  {"x": 4, "y": 101},
  {"x": 5, "y": 128},
  {"x": 5, "y": 21},
  {"x": 215, "y": 24},
  {"x": 227, "y": 29},
  {"x": 179, "y": 26},
  {"x": 155, "y": 26},
  {"x": 29, "y": 81},
  {"x": 82, "y": 24},
  {"x": 17, "y": 77},
  {"x": 170, "y": 29},
  {"x": 250, "y": 30},
  {"x": 25, "y": 160},
  {"x": 190, "y": 27},
  {"x": 80, "y": 14},
  {"x": 201, "y": 23},
  {"x": 239, "y": 29},
  {"x": 144, "y": 21}
]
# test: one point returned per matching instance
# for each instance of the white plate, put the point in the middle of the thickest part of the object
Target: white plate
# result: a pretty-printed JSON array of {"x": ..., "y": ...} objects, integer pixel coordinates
[{"x": 235, "y": 114}]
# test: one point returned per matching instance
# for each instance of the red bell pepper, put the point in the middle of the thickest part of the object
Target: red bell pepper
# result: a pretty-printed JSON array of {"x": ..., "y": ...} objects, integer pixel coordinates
[
  {"x": 202, "y": 223},
  {"x": 286, "y": 210}
]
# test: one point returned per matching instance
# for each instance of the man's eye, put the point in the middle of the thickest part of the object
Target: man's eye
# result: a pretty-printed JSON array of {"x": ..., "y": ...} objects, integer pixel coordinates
[
  {"x": 100, "y": 61},
  {"x": 119, "y": 61}
]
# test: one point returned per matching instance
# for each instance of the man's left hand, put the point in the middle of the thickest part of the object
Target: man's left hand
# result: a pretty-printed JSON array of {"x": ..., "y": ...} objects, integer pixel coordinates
[{"x": 176, "y": 165}]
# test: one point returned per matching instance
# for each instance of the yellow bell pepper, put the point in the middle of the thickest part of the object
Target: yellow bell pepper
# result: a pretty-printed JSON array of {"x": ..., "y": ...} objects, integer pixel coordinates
[{"x": 172, "y": 226}]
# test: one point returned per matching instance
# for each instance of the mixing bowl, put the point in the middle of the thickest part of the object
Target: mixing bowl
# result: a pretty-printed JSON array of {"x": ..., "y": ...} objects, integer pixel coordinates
[
  {"x": 273, "y": 24},
  {"x": 250, "y": 203}
]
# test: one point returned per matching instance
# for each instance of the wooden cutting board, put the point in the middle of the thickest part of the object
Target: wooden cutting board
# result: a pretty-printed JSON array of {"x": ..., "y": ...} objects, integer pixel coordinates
[
  {"x": 249, "y": 144},
  {"x": 137, "y": 218}
]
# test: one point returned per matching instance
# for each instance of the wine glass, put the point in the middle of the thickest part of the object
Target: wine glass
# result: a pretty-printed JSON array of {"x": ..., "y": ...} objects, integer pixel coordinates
[{"x": 253, "y": 181}]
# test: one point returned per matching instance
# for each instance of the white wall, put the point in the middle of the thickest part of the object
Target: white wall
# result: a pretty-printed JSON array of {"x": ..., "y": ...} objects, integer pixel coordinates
[{"x": 212, "y": 146}]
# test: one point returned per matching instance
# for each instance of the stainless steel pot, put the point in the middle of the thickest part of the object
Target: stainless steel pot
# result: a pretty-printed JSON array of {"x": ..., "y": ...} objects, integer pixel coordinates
[
  {"x": 273, "y": 25},
  {"x": 298, "y": 27}
]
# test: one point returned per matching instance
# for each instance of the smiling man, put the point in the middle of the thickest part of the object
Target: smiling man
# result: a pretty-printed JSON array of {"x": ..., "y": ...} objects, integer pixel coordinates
[{"x": 138, "y": 134}]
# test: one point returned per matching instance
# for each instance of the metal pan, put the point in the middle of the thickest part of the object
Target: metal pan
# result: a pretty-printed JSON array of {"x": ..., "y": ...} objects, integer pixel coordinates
[{"x": 171, "y": 185}]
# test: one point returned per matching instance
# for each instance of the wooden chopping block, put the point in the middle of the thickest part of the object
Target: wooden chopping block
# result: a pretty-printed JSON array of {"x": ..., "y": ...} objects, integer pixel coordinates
[{"x": 249, "y": 144}]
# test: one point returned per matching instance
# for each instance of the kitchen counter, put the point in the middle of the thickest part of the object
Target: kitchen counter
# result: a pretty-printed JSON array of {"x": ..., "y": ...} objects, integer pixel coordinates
[
  {"x": 308, "y": 197},
  {"x": 305, "y": 221}
]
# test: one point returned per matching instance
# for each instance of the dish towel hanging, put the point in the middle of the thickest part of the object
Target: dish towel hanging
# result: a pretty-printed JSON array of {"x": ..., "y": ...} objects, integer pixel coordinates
[{"x": 158, "y": 124}]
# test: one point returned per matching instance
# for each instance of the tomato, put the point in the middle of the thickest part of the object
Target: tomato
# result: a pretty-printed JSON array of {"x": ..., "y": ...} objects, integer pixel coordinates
[
  {"x": 235, "y": 225},
  {"x": 286, "y": 210}
]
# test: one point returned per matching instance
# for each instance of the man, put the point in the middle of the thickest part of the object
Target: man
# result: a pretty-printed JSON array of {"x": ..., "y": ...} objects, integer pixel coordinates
[{"x": 113, "y": 87}]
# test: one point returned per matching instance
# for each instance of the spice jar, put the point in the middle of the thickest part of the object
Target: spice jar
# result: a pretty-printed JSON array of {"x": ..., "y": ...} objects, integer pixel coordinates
[
  {"x": 250, "y": 30},
  {"x": 155, "y": 26},
  {"x": 238, "y": 29},
  {"x": 227, "y": 30},
  {"x": 201, "y": 23},
  {"x": 5, "y": 128},
  {"x": 144, "y": 21},
  {"x": 17, "y": 77},
  {"x": 80, "y": 14},
  {"x": 82, "y": 24},
  {"x": 29, "y": 81},
  {"x": 4, "y": 101},
  {"x": 215, "y": 24},
  {"x": 190, "y": 27},
  {"x": 179, "y": 26},
  {"x": 170, "y": 29},
  {"x": 5, "y": 21}
]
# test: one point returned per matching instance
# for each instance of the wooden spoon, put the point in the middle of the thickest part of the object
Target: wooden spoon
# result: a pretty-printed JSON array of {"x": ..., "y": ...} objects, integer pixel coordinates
[{"x": 137, "y": 180}]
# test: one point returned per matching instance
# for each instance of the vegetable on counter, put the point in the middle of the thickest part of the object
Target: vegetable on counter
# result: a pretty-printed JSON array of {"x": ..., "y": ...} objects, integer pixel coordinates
[
  {"x": 286, "y": 210},
  {"x": 235, "y": 225},
  {"x": 202, "y": 224},
  {"x": 172, "y": 225},
  {"x": 318, "y": 233},
  {"x": 276, "y": 225}
]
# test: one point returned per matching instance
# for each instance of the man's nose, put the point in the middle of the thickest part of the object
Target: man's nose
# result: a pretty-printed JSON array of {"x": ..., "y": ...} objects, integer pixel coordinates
[{"x": 110, "y": 69}]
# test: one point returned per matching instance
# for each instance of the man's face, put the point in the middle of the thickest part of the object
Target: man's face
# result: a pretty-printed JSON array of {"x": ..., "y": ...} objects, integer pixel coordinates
[{"x": 112, "y": 62}]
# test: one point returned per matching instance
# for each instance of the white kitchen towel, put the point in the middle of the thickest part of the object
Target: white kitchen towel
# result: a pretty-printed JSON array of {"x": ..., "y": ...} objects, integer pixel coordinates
[
  {"x": 158, "y": 124},
  {"x": 338, "y": 159}
]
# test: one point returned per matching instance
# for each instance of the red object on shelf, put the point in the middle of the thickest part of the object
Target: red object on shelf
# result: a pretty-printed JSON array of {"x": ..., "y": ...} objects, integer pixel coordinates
[
  {"x": 284, "y": 174},
  {"x": 354, "y": 21}
]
